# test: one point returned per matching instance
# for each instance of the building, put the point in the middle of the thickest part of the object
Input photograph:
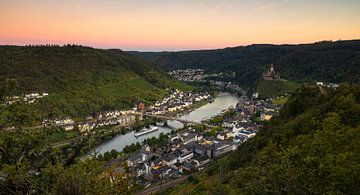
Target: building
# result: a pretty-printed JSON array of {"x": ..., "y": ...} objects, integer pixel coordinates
[
  {"x": 141, "y": 106},
  {"x": 169, "y": 159},
  {"x": 201, "y": 160},
  {"x": 271, "y": 74},
  {"x": 220, "y": 148},
  {"x": 247, "y": 133},
  {"x": 138, "y": 158},
  {"x": 189, "y": 136},
  {"x": 266, "y": 116},
  {"x": 185, "y": 153}
]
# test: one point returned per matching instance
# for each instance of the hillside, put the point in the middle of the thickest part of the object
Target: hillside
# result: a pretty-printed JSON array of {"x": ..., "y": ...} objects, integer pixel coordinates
[
  {"x": 323, "y": 61},
  {"x": 82, "y": 80},
  {"x": 312, "y": 147},
  {"x": 274, "y": 88}
]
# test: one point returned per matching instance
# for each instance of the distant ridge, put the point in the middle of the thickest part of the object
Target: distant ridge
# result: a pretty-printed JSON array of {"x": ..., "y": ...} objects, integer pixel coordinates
[
  {"x": 329, "y": 61},
  {"x": 82, "y": 80}
]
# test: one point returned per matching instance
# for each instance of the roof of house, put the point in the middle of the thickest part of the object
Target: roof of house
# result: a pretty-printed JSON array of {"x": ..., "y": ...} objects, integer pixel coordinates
[
  {"x": 169, "y": 157},
  {"x": 135, "y": 157},
  {"x": 201, "y": 158}
]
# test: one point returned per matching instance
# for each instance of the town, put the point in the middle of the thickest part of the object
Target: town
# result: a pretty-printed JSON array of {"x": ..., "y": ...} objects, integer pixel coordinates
[
  {"x": 176, "y": 101},
  {"x": 185, "y": 150},
  {"x": 191, "y": 149},
  {"x": 214, "y": 79},
  {"x": 198, "y": 75},
  {"x": 26, "y": 98}
]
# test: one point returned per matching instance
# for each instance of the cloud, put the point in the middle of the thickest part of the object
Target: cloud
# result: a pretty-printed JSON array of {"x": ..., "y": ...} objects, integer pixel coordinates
[
  {"x": 215, "y": 6},
  {"x": 270, "y": 5}
]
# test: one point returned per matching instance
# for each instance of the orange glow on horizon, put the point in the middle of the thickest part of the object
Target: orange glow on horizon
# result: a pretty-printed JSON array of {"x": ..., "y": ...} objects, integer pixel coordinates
[{"x": 188, "y": 26}]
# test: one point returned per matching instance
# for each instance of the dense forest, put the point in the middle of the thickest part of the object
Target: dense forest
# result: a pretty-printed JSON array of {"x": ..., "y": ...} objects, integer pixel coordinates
[
  {"x": 323, "y": 61},
  {"x": 82, "y": 80},
  {"x": 311, "y": 147},
  {"x": 30, "y": 163}
]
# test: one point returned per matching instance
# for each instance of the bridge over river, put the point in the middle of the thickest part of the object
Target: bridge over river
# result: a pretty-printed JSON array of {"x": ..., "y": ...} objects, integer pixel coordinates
[{"x": 184, "y": 121}]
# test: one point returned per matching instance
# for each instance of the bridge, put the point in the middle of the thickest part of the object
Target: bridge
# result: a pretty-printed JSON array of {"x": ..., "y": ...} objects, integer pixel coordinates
[{"x": 184, "y": 121}]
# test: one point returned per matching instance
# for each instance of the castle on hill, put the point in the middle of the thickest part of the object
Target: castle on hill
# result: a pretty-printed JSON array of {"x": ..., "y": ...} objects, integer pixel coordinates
[{"x": 271, "y": 74}]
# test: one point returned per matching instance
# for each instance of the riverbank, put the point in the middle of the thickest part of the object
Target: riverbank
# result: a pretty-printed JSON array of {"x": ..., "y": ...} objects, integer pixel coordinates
[
  {"x": 113, "y": 132},
  {"x": 221, "y": 102}
]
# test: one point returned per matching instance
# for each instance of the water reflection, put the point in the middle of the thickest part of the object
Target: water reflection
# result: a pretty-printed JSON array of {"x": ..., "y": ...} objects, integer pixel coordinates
[{"x": 221, "y": 102}]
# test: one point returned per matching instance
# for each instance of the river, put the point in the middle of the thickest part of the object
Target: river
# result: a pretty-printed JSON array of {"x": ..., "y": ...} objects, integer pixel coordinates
[{"x": 223, "y": 101}]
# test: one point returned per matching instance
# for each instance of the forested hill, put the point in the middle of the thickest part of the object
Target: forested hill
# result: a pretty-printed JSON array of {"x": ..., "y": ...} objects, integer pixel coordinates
[
  {"x": 323, "y": 61},
  {"x": 312, "y": 147},
  {"x": 82, "y": 80}
]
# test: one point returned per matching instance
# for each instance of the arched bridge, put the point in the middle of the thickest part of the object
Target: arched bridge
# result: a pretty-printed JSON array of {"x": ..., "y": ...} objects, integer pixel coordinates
[{"x": 185, "y": 122}]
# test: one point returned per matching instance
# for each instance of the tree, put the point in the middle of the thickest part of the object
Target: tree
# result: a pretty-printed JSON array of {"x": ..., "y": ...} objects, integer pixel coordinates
[
  {"x": 114, "y": 153},
  {"x": 107, "y": 156}
]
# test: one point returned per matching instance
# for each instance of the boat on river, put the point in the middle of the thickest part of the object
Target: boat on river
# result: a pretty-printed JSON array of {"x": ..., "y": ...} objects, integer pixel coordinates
[
  {"x": 160, "y": 124},
  {"x": 145, "y": 131}
]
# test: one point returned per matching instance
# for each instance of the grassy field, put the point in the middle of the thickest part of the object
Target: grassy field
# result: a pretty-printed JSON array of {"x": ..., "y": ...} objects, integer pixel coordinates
[
  {"x": 280, "y": 100},
  {"x": 125, "y": 88},
  {"x": 141, "y": 89},
  {"x": 271, "y": 88}
]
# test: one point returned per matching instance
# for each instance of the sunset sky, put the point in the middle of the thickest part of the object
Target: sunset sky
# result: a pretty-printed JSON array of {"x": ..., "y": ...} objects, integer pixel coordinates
[{"x": 176, "y": 24}]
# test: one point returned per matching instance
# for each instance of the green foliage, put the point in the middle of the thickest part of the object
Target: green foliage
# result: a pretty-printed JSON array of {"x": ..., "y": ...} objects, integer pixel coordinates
[
  {"x": 128, "y": 149},
  {"x": 218, "y": 120},
  {"x": 214, "y": 131},
  {"x": 311, "y": 147},
  {"x": 280, "y": 100},
  {"x": 114, "y": 153},
  {"x": 273, "y": 88},
  {"x": 82, "y": 80},
  {"x": 200, "y": 127},
  {"x": 153, "y": 141},
  {"x": 324, "y": 61},
  {"x": 193, "y": 179},
  {"x": 107, "y": 156},
  {"x": 213, "y": 168},
  {"x": 88, "y": 178},
  {"x": 255, "y": 118},
  {"x": 29, "y": 164}
]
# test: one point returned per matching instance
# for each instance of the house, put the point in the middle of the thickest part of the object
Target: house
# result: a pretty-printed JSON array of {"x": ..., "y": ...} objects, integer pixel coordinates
[
  {"x": 237, "y": 128},
  {"x": 201, "y": 160},
  {"x": 172, "y": 109},
  {"x": 270, "y": 108},
  {"x": 169, "y": 159},
  {"x": 185, "y": 153},
  {"x": 200, "y": 149},
  {"x": 227, "y": 125},
  {"x": 220, "y": 148},
  {"x": 138, "y": 158},
  {"x": 142, "y": 169},
  {"x": 240, "y": 139},
  {"x": 134, "y": 159},
  {"x": 189, "y": 136},
  {"x": 68, "y": 127},
  {"x": 247, "y": 133},
  {"x": 266, "y": 116},
  {"x": 320, "y": 83},
  {"x": 161, "y": 173},
  {"x": 141, "y": 106},
  {"x": 228, "y": 133},
  {"x": 221, "y": 136},
  {"x": 156, "y": 164}
]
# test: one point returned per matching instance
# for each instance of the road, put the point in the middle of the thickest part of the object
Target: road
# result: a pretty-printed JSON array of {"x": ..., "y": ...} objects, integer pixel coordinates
[
  {"x": 176, "y": 119},
  {"x": 166, "y": 185}
]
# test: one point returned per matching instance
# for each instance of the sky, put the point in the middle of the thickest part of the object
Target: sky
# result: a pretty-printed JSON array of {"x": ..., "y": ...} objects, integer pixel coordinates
[{"x": 157, "y": 25}]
